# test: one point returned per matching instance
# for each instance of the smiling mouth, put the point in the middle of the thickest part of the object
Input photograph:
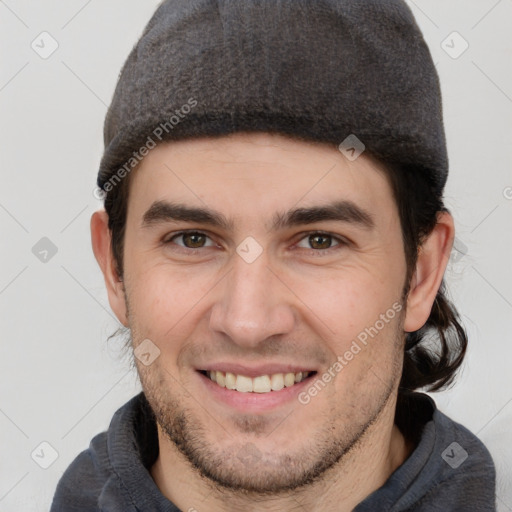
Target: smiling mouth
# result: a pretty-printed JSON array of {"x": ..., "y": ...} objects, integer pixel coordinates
[{"x": 260, "y": 384}]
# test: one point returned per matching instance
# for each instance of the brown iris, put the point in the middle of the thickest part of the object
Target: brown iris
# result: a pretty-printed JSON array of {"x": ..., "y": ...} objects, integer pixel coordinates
[
  {"x": 319, "y": 241},
  {"x": 193, "y": 240}
]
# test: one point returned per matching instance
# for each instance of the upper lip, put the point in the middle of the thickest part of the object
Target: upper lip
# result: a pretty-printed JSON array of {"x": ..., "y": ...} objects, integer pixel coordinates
[{"x": 256, "y": 370}]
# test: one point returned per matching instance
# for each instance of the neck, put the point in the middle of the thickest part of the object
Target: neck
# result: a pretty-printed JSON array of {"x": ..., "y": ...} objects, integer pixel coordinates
[{"x": 364, "y": 469}]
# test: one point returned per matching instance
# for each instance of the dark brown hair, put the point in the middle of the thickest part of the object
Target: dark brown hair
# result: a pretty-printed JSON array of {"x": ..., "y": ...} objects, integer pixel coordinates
[{"x": 434, "y": 353}]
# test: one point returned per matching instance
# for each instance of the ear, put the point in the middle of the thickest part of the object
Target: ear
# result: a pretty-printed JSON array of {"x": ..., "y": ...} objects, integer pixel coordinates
[
  {"x": 433, "y": 258},
  {"x": 102, "y": 247}
]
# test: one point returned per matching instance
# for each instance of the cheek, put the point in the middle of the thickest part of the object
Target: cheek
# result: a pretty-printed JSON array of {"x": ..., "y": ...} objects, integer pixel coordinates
[
  {"x": 358, "y": 318},
  {"x": 164, "y": 301},
  {"x": 343, "y": 304}
]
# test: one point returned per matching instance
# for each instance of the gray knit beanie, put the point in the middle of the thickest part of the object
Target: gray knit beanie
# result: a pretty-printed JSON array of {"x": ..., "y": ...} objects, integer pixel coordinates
[{"x": 318, "y": 70}]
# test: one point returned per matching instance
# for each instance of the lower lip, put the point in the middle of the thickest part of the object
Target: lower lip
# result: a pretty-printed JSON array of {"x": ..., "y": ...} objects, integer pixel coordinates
[{"x": 254, "y": 402}]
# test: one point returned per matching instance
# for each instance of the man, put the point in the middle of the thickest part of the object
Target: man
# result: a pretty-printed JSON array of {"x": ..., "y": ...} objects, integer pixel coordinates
[{"x": 274, "y": 238}]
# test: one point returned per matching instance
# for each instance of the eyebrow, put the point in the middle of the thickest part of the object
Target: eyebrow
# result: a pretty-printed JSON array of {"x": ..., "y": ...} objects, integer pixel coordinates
[{"x": 341, "y": 211}]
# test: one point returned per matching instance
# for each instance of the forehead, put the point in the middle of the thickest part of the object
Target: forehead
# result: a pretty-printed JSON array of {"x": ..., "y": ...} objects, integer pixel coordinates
[{"x": 271, "y": 171}]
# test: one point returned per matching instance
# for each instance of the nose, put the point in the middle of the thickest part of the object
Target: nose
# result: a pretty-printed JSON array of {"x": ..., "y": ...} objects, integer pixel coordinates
[{"x": 252, "y": 304}]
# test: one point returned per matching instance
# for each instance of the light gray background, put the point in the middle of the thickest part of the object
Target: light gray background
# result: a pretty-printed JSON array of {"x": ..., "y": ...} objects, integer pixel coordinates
[{"x": 61, "y": 379}]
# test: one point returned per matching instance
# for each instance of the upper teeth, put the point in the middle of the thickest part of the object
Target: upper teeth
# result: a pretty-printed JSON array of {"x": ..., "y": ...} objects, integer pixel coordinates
[{"x": 261, "y": 384}]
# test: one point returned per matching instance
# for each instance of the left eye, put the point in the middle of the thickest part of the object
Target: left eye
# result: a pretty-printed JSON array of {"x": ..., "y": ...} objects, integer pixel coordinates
[
  {"x": 319, "y": 241},
  {"x": 192, "y": 240}
]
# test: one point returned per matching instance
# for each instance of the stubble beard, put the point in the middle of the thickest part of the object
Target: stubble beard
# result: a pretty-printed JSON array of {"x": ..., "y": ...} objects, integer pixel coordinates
[{"x": 240, "y": 466}]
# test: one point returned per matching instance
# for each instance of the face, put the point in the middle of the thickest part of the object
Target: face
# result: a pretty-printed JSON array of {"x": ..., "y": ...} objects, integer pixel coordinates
[{"x": 276, "y": 267}]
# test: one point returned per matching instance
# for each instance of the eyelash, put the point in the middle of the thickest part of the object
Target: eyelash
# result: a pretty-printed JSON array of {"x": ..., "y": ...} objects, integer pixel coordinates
[{"x": 341, "y": 242}]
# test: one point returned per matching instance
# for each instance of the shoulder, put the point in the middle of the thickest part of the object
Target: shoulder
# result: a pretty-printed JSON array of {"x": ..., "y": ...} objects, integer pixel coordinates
[
  {"x": 450, "y": 469},
  {"x": 466, "y": 471},
  {"x": 82, "y": 482},
  {"x": 462, "y": 451},
  {"x": 458, "y": 473},
  {"x": 92, "y": 481}
]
